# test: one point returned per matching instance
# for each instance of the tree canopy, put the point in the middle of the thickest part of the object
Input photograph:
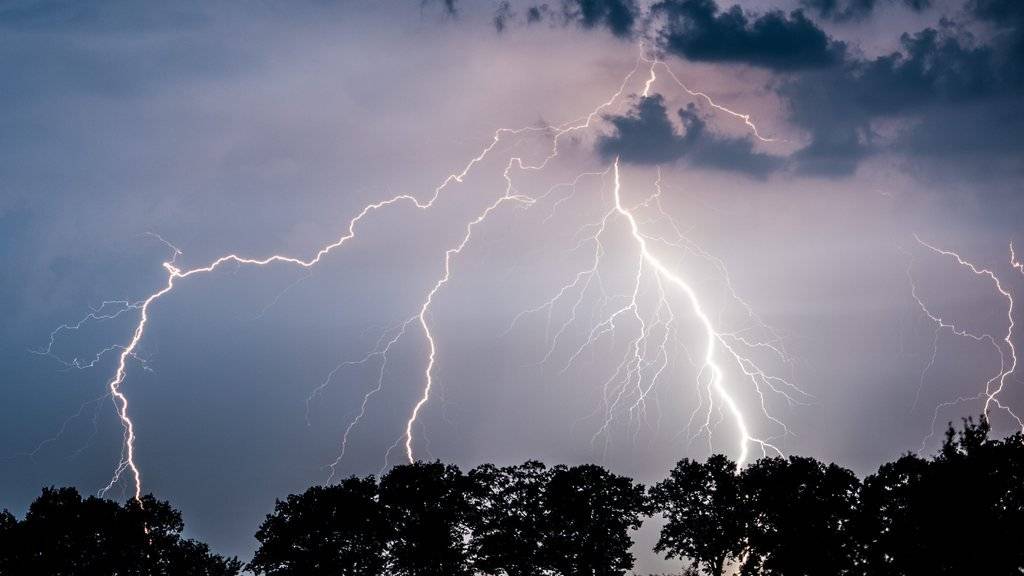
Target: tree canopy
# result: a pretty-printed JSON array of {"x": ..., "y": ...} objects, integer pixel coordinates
[
  {"x": 706, "y": 519},
  {"x": 510, "y": 518},
  {"x": 64, "y": 534},
  {"x": 341, "y": 530},
  {"x": 590, "y": 513},
  {"x": 958, "y": 512}
]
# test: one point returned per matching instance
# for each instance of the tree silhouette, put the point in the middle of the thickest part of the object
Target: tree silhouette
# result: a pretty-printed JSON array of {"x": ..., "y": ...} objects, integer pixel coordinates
[
  {"x": 960, "y": 513},
  {"x": 890, "y": 501},
  {"x": 339, "y": 530},
  {"x": 65, "y": 535},
  {"x": 508, "y": 519},
  {"x": 589, "y": 513},
  {"x": 428, "y": 507},
  {"x": 706, "y": 518},
  {"x": 8, "y": 524},
  {"x": 803, "y": 515}
]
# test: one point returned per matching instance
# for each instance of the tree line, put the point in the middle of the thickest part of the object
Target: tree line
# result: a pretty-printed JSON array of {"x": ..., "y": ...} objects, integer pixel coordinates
[{"x": 959, "y": 512}]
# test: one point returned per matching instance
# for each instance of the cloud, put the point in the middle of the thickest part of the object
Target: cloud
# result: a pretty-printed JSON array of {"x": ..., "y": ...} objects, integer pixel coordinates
[
  {"x": 619, "y": 17},
  {"x": 849, "y": 10},
  {"x": 932, "y": 85},
  {"x": 646, "y": 136},
  {"x": 1005, "y": 11},
  {"x": 502, "y": 15},
  {"x": 450, "y": 6},
  {"x": 697, "y": 30},
  {"x": 1007, "y": 17},
  {"x": 945, "y": 99}
]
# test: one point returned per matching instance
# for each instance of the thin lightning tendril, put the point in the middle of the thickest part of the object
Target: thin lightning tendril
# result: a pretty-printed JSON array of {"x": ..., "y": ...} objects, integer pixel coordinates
[
  {"x": 1003, "y": 346},
  {"x": 697, "y": 94}
]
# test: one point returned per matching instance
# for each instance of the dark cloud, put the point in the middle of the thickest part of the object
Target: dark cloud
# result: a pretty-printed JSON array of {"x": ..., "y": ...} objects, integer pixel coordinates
[
  {"x": 697, "y": 30},
  {"x": 449, "y": 5},
  {"x": 502, "y": 15},
  {"x": 619, "y": 17},
  {"x": 847, "y": 10},
  {"x": 1007, "y": 17},
  {"x": 937, "y": 75},
  {"x": 1006, "y": 12},
  {"x": 839, "y": 10},
  {"x": 832, "y": 153},
  {"x": 942, "y": 96},
  {"x": 646, "y": 136}
]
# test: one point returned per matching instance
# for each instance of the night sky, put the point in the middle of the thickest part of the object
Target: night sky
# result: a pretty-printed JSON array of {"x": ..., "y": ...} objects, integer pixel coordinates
[{"x": 263, "y": 128}]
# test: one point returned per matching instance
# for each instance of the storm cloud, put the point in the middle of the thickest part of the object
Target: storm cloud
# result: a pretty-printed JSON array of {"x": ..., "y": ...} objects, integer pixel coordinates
[
  {"x": 848, "y": 10},
  {"x": 616, "y": 16},
  {"x": 946, "y": 96},
  {"x": 698, "y": 30},
  {"x": 646, "y": 136},
  {"x": 939, "y": 97},
  {"x": 949, "y": 95}
]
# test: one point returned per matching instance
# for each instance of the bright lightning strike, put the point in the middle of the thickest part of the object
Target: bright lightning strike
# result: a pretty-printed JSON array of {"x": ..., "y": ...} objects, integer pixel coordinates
[
  {"x": 719, "y": 345},
  {"x": 648, "y": 353},
  {"x": 713, "y": 338}
]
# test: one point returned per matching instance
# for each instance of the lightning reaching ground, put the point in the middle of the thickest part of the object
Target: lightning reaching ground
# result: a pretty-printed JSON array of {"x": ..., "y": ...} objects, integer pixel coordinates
[
  {"x": 725, "y": 357},
  {"x": 715, "y": 372},
  {"x": 1004, "y": 347}
]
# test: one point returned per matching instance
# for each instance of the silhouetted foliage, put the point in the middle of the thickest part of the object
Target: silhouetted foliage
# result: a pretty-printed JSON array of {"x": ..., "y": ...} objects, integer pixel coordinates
[
  {"x": 890, "y": 501},
  {"x": 803, "y": 515},
  {"x": 509, "y": 518},
  {"x": 8, "y": 523},
  {"x": 530, "y": 520},
  {"x": 339, "y": 530},
  {"x": 706, "y": 519},
  {"x": 589, "y": 513},
  {"x": 65, "y": 535},
  {"x": 960, "y": 513},
  {"x": 428, "y": 507}
]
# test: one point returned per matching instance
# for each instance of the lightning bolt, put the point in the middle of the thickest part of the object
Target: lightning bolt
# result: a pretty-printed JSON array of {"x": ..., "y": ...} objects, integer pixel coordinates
[
  {"x": 718, "y": 344},
  {"x": 647, "y": 354},
  {"x": 127, "y": 462},
  {"x": 713, "y": 337},
  {"x": 425, "y": 309},
  {"x": 1003, "y": 346}
]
